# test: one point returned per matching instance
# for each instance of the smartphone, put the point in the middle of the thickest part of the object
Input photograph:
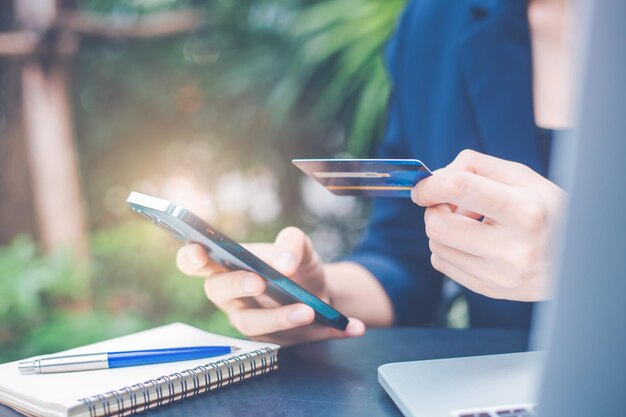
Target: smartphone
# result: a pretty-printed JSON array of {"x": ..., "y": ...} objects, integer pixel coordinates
[{"x": 189, "y": 228}]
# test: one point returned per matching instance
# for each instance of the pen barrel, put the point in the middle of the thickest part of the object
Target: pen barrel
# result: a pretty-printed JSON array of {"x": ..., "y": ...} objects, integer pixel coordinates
[
  {"x": 149, "y": 357},
  {"x": 71, "y": 363}
]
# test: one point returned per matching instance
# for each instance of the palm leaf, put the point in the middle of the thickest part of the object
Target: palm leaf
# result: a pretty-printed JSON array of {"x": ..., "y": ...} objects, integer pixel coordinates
[{"x": 337, "y": 48}]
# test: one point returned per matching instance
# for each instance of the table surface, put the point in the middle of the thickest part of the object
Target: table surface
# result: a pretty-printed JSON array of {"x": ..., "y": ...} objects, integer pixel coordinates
[{"x": 339, "y": 377}]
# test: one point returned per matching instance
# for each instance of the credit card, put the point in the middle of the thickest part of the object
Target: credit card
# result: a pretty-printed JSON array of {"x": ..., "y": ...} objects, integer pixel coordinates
[{"x": 366, "y": 177}]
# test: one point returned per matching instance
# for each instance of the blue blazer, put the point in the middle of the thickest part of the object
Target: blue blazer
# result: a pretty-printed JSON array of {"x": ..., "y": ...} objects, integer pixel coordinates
[{"x": 461, "y": 78}]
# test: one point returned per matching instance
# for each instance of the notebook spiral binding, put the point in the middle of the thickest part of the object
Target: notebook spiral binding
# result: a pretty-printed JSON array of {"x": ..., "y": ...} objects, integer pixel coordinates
[{"x": 180, "y": 385}]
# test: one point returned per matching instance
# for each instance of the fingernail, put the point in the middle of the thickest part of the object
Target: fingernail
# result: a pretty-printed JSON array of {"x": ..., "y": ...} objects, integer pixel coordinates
[
  {"x": 194, "y": 257},
  {"x": 250, "y": 284},
  {"x": 354, "y": 329},
  {"x": 285, "y": 261},
  {"x": 299, "y": 315},
  {"x": 414, "y": 194}
]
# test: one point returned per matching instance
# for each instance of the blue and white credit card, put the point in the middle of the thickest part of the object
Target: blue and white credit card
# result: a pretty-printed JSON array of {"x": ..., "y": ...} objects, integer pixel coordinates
[{"x": 366, "y": 177}]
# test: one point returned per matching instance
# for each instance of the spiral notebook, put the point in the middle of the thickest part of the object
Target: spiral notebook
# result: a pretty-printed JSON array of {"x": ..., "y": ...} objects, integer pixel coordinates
[{"x": 125, "y": 391}]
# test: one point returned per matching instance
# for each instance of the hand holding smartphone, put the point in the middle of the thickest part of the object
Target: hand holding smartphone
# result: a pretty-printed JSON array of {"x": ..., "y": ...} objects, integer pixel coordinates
[{"x": 189, "y": 228}]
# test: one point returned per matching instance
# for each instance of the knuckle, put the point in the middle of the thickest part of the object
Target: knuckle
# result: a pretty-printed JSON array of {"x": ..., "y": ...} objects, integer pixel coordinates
[
  {"x": 238, "y": 321},
  {"x": 432, "y": 246},
  {"x": 484, "y": 289},
  {"x": 492, "y": 288},
  {"x": 293, "y": 240},
  {"x": 455, "y": 184},
  {"x": 492, "y": 292},
  {"x": 533, "y": 215},
  {"x": 282, "y": 322},
  {"x": 525, "y": 169},
  {"x": 435, "y": 247},
  {"x": 293, "y": 232},
  {"x": 435, "y": 225},
  {"x": 214, "y": 290},
  {"x": 236, "y": 285},
  {"x": 499, "y": 204},
  {"x": 436, "y": 262},
  {"x": 524, "y": 256},
  {"x": 510, "y": 281},
  {"x": 245, "y": 284},
  {"x": 466, "y": 155}
]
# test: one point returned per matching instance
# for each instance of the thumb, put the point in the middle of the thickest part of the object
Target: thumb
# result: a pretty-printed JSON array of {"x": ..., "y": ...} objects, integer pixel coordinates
[{"x": 292, "y": 249}]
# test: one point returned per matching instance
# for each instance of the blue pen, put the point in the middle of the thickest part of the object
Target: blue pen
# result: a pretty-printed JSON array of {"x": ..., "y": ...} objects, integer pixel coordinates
[{"x": 91, "y": 361}]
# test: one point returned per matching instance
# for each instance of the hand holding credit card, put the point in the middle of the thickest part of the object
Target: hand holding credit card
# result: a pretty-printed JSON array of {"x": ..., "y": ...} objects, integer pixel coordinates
[{"x": 366, "y": 177}]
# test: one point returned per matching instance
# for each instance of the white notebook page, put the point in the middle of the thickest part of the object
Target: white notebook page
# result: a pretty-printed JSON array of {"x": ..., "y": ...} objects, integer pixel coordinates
[{"x": 64, "y": 389}]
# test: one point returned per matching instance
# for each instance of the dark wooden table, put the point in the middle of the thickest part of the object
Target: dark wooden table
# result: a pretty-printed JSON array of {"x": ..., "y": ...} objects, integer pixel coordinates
[{"x": 339, "y": 377}]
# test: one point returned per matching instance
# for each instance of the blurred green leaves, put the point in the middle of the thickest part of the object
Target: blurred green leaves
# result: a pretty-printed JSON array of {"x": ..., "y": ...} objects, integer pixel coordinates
[
  {"x": 51, "y": 302},
  {"x": 132, "y": 7},
  {"x": 302, "y": 62},
  {"x": 25, "y": 276},
  {"x": 338, "y": 53}
]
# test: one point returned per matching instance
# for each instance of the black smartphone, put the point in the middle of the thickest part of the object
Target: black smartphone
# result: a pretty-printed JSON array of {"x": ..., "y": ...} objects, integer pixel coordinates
[{"x": 189, "y": 228}]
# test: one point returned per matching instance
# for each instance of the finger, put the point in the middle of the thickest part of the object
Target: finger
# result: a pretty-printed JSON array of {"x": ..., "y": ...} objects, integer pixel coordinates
[
  {"x": 464, "y": 212},
  {"x": 226, "y": 286},
  {"x": 500, "y": 202},
  {"x": 254, "y": 322},
  {"x": 467, "y": 213},
  {"x": 314, "y": 332},
  {"x": 293, "y": 250},
  {"x": 355, "y": 328},
  {"x": 193, "y": 260},
  {"x": 462, "y": 277},
  {"x": 475, "y": 266},
  {"x": 264, "y": 251},
  {"x": 506, "y": 172},
  {"x": 460, "y": 232},
  {"x": 497, "y": 169}
]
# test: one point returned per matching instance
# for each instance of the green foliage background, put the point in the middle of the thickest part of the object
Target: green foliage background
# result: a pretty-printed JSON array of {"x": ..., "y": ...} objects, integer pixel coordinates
[
  {"x": 262, "y": 82},
  {"x": 52, "y": 302}
]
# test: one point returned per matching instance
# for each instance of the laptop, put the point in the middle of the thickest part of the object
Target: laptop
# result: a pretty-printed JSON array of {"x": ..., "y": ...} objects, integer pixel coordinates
[{"x": 582, "y": 371}]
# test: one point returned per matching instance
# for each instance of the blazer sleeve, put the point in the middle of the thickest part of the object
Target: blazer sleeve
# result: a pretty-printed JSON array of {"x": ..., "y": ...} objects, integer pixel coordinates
[{"x": 395, "y": 248}]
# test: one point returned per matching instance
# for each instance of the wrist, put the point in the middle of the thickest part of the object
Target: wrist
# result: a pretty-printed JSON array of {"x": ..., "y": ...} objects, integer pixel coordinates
[{"x": 356, "y": 292}]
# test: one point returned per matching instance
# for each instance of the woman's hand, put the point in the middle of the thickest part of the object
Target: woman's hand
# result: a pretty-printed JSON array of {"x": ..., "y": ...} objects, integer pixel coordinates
[
  {"x": 240, "y": 294},
  {"x": 507, "y": 254}
]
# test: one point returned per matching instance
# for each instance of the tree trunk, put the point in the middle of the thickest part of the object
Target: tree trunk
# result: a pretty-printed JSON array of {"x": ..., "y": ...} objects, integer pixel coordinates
[{"x": 48, "y": 132}]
